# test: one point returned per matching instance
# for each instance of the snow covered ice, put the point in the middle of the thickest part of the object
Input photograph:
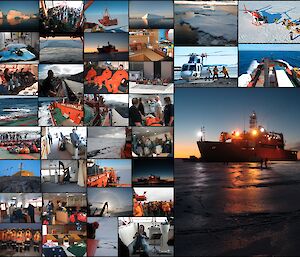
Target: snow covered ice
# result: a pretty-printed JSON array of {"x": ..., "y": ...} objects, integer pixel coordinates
[{"x": 273, "y": 31}]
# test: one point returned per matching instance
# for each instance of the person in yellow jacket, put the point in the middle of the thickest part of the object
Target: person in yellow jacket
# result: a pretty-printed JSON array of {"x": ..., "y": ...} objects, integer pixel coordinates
[{"x": 225, "y": 72}]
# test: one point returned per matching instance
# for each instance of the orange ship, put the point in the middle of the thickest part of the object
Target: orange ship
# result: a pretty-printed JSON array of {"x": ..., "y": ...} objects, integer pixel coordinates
[{"x": 107, "y": 21}]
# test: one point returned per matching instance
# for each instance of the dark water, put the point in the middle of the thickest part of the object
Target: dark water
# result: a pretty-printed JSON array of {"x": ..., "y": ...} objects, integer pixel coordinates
[
  {"x": 246, "y": 58},
  {"x": 237, "y": 209},
  {"x": 94, "y": 57},
  {"x": 165, "y": 23},
  {"x": 20, "y": 107},
  {"x": 19, "y": 25}
]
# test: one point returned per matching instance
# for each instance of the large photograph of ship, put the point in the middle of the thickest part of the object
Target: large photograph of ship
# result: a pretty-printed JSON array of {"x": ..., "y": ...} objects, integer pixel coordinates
[{"x": 238, "y": 153}]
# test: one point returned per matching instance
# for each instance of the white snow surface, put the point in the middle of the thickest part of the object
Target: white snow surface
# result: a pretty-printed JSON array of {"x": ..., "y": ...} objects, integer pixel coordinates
[
  {"x": 216, "y": 23},
  {"x": 271, "y": 32}
]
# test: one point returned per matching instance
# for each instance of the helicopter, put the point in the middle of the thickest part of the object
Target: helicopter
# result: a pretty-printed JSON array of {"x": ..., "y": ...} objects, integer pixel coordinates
[
  {"x": 196, "y": 69},
  {"x": 258, "y": 18}
]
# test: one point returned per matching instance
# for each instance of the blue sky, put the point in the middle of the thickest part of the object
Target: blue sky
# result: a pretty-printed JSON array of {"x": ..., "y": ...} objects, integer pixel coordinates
[
  {"x": 218, "y": 55},
  {"x": 10, "y": 167},
  {"x": 140, "y": 8},
  {"x": 269, "y": 47},
  {"x": 229, "y": 109},
  {"x": 27, "y": 7}
]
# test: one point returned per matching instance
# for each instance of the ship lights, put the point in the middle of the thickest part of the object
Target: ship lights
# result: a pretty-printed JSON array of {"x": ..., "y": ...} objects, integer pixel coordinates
[
  {"x": 254, "y": 132},
  {"x": 262, "y": 130},
  {"x": 237, "y": 133},
  {"x": 200, "y": 134}
]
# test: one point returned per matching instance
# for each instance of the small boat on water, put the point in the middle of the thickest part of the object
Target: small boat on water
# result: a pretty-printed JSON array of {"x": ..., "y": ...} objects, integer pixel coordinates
[
  {"x": 270, "y": 73},
  {"x": 107, "y": 21}
]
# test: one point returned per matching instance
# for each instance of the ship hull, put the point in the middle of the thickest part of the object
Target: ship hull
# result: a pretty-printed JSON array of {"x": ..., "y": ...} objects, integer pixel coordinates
[
  {"x": 106, "y": 51},
  {"x": 107, "y": 23},
  {"x": 229, "y": 152}
]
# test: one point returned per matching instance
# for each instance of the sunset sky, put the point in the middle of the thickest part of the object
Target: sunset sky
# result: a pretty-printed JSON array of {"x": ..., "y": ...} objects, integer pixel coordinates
[
  {"x": 228, "y": 109},
  {"x": 93, "y": 40}
]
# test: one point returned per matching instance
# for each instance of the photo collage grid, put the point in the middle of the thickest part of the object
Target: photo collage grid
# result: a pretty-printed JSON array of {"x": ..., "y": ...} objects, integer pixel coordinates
[{"x": 87, "y": 111}]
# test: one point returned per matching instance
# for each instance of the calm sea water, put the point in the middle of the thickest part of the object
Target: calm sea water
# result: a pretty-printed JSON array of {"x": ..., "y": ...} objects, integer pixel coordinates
[
  {"x": 19, "y": 25},
  {"x": 247, "y": 57}
]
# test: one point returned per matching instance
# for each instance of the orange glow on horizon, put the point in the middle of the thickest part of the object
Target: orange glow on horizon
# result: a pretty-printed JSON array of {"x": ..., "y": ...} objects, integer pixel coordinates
[
  {"x": 185, "y": 150},
  {"x": 94, "y": 50}
]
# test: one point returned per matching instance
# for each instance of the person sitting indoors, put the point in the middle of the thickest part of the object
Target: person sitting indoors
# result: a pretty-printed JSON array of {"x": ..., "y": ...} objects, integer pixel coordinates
[
  {"x": 140, "y": 242},
  {"x": 118, "y": 82}
]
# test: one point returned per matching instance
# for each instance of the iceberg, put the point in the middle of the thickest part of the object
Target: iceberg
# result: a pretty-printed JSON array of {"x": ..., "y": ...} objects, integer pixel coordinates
[{"x": 152, "y": 16}]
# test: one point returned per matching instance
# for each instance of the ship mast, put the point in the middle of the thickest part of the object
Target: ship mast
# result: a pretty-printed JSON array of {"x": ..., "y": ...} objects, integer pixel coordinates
[
  {"x": 106, "y": 14},
  {"x": 253, "y": 121}
]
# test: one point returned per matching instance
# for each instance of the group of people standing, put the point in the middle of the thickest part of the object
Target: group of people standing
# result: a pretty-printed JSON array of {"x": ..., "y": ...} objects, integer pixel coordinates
[
  {"x": 215, "y": 73},
  {"x": 155, "y": 115}
]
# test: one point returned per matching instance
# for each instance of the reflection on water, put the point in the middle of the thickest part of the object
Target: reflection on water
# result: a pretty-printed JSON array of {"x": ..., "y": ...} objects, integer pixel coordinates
[
  {"x": 19, "y": 24},
  {"x": 185, "y": 35},
  {"x": 230, "y": 209},
  {"x": 14, "y": 22}
]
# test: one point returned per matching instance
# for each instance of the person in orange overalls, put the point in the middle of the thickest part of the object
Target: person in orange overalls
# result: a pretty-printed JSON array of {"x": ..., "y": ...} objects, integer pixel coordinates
[
  {"x": 13, "y": 238},
  {"x": 37, "y": 238},
  {"x": 28, "y": 237},
  {"x": 100, "y": 80},
  {"x": 119, "y": 77},
  {"x": 20, "y": 240},
  {"x": 90, "y": 75}
]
